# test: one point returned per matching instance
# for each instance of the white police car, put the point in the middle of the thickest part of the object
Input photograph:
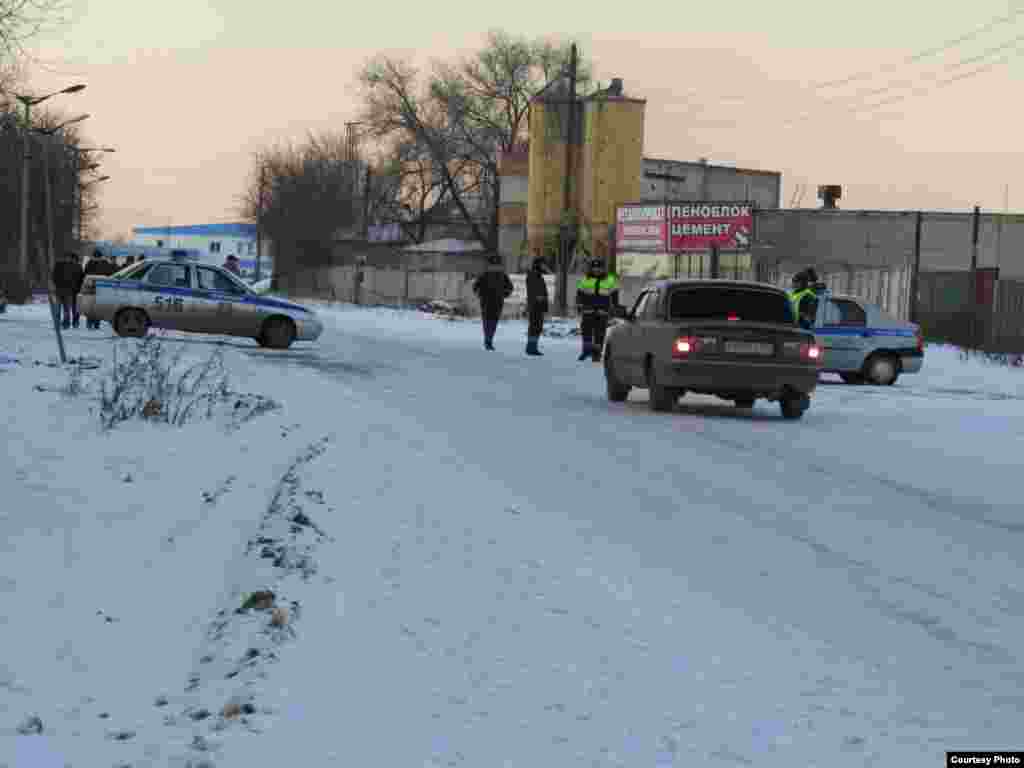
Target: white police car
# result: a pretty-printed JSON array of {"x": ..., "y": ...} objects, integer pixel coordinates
[
  {"x": 864, "y": 344},
  {"x": 182, "y": 294}
]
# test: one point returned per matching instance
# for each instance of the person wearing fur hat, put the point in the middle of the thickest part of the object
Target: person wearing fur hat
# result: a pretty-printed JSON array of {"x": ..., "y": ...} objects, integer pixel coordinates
[
  {"x": 536, "y": 304},
  {"x": 492, "y": 287}
]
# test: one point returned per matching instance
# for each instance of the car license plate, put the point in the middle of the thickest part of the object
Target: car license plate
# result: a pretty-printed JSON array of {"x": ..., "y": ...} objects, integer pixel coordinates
[{"x": 749, "y": 348}]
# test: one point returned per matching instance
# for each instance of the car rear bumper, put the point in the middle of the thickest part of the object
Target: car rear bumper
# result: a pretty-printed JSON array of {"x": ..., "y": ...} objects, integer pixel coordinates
[{"x": 745, "y": 378}]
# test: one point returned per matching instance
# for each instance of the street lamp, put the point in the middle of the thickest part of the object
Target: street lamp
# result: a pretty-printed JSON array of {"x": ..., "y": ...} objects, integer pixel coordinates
[
  {"x": 79, "y": 167},
  {"x": 81, "y": 187},
  {"x": 28, "y": 102},
  {"x": 48, "y": 189}
]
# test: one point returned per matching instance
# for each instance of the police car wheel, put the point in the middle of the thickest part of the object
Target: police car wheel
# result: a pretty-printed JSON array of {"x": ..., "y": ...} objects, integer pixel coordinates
[
  {"x": 132, "y": 323},
  {"x": 882, "y": 370},
  {"x": 278, "y": 333}
]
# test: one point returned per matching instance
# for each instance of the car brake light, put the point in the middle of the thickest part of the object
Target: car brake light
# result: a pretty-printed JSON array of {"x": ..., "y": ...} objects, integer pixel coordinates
[
  {"x": 684, "y": 346},
  {"x": 920, "y": 341},
  {"x": 732, "y": 318}
]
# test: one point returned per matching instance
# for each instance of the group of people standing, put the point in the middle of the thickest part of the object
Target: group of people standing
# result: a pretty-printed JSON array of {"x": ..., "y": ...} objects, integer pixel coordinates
[
  {"x": 597, "y": 297},
  {"x": 68, "y": 275}
]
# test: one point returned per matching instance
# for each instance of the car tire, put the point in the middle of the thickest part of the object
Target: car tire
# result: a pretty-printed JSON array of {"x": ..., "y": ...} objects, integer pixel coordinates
[
  {"x": 882, "y": 370},
  {"x": 660, "y": 399},
  {"x": 278, "y": 333},
  {"x": 617, "y": 391},
  {"x": 852, "y": 378},
  {"x": 793, "y": 407},
  {"x": 746, "y": 403},
  {"x": 131, "y": 323}
]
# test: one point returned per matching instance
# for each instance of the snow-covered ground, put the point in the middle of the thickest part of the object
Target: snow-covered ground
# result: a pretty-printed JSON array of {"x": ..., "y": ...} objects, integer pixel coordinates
[{"x": 492, "y": 565}]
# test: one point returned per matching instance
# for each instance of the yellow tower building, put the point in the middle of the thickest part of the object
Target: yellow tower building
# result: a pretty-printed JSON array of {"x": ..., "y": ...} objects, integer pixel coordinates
[{"x": 606, "y": 157}]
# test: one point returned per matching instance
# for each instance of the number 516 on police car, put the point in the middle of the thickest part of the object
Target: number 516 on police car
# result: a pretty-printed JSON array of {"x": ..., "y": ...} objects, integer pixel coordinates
[{"x": 173, "y": 303}]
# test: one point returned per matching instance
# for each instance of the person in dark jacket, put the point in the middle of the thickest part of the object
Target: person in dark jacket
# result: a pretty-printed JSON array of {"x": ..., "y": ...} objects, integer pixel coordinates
[
  {"x": 597, "y": 294},
  {"x": 67, "y": 276},
  {"x": 536, "y": 304},
  {"x": 492, "y": 288},
  {"x": 99, "y": 267},
  {"x": 807, "y": 289}
]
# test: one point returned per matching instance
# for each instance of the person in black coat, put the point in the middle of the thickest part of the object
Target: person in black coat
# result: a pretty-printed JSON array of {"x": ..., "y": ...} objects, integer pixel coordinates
[
  {"x": 536, "y": 304},
  {"x": 99, "y": 267},
  {"x": 492, "y": 288},
  {"x": 67, "y": 276}
]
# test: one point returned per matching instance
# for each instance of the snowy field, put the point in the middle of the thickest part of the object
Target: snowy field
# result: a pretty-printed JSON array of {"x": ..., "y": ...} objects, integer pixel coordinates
[{"x": 473, "y": 559}]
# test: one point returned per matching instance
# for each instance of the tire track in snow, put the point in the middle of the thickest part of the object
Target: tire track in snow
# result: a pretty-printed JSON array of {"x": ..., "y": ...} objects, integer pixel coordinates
[{"x": 248, "y": 634}]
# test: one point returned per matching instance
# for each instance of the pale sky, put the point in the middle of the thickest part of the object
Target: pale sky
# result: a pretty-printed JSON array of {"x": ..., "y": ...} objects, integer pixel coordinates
[{"x": 187, "y": 91}]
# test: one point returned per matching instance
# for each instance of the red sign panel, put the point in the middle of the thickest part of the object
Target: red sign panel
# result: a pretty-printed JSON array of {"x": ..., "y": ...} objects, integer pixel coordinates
[
  {"x": 640, "y": 228},
  {"x": 698, "y": 226}
]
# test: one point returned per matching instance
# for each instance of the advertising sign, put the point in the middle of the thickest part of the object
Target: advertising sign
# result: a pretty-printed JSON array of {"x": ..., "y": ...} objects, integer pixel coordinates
[
  {"x": 640, "y": 227},
  {"x": 698, "y": 226}
]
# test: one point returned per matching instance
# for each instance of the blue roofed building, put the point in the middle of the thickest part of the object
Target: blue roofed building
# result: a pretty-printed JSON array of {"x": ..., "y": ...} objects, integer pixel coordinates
[{"x": 214, "y": 243}]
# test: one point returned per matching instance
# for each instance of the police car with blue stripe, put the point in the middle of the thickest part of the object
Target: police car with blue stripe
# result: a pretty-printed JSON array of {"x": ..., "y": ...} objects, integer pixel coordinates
[
  {"x": 864, "y": 344},
  {"x": 181, "y": 294}
]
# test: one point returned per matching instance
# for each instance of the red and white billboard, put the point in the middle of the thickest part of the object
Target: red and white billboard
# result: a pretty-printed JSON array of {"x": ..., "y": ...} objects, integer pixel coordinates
[
  {"x": 640, "y": 227},
  {"x": 698, "y": 226}
]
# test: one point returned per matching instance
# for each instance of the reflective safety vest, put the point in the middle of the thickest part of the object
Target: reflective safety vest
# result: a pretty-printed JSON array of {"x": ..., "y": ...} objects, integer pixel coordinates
[
  {"x": 797, "y": 296},
  {"x": 595, "y": 293}
]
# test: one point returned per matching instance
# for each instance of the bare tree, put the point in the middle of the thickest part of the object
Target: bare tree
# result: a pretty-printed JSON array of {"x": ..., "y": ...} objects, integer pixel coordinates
[
  {"x": 23, "y": 20},
  {"x": 462, "y": 114},
  {"x": 302, "y": 195},
  {"x": 63, "y": 178}
]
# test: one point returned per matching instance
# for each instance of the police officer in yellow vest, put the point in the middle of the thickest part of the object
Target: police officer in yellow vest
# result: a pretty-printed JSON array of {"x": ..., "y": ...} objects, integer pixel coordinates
[
  {"x": 597, "y": 294},
  {"x": 804, "y": 297}
]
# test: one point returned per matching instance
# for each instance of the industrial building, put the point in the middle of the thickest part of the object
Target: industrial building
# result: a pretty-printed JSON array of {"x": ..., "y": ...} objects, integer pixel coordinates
[{"x": 606, "y": 168}]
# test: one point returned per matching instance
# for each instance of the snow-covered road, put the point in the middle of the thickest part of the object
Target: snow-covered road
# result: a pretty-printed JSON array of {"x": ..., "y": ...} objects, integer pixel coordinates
[{"x": 524, "y": 574}]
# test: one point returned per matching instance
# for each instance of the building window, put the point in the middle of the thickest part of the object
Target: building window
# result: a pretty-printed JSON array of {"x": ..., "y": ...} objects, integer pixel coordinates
[{"x": 215, "y": 246}]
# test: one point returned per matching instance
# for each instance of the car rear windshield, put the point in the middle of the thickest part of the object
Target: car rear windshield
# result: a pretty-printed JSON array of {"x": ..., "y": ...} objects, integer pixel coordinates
[{"x": 725, "y": 303}]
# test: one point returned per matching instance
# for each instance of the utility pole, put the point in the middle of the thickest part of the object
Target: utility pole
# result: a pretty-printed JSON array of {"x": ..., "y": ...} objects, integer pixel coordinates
[
  {"x": 567, "y": 224},
  {"x": 51, "y": 261},
  {"x": 973, "y": 281},
  {"x": 26, "y": 169},
  {"x": 915, "y": 277},
  {"x": 259, "y": 218},
  {"x": 366, "y": 203},
  {"x": 28, "y": 102}
]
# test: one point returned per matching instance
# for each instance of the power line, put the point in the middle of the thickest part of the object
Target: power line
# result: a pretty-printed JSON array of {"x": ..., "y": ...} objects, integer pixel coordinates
[
  {"x": 941, "y": 84},
  {"x": 909, "y": 60},
  {"x": 1015, "y": 43},
  {"x": 925, "y": 54}
]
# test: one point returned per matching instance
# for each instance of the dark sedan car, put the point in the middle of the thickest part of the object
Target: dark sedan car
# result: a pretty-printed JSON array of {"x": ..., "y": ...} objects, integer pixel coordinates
[{"x": 737, "y": 340}]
